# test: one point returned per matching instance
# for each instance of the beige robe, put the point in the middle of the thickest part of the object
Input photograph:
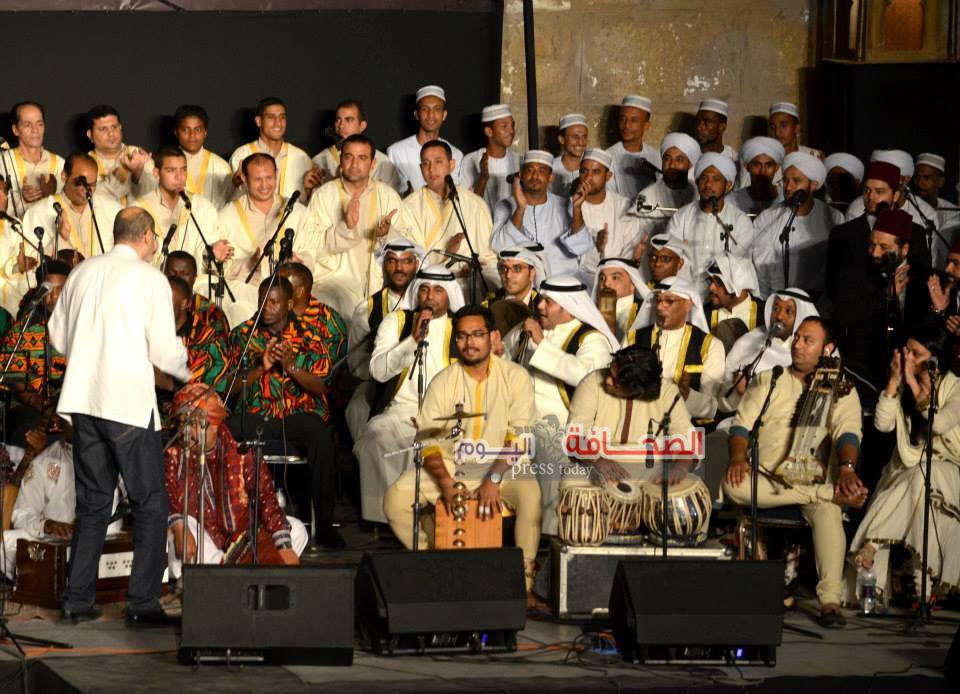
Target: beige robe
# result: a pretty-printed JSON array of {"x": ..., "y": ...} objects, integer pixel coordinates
[
  {"x": 210, "y": 176},
  {"x": 186, "y": 237},
  {"x": 30, "y": 172},
  {"x": 383, "y": 169},
  {"x": 116, "y": 181},
  {"x": 292, "y": 165}
]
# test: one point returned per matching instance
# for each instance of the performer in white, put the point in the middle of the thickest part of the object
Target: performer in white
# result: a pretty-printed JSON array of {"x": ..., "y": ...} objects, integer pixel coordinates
[
  {"x": 430, "y": 114},
  {"x": 635, "y": 163},
  {"x": 679, "y": 154},
  {"x": 622, "y": 275},
  {"x": 485, "y": 171}
]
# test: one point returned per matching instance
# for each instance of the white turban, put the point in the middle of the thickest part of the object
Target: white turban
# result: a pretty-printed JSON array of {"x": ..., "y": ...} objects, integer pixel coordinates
[
  {"x": 897, "y": 157},
  {"x": 431, "y": 90},
  {"x": 722, "y": 163},
  {"x": 639, "y": 286},
  {"x": 735, "y": 273},
  {"x": 571, "y": 293},
  {"x": 845, "y": 161},
  {"x": 684, "y": 143},
  {"x": 600, "y": 156},
  {"x": 934, "y": 160},
  {"x": 807, "y": 164},
  {"x": 756, "y": 146},
  {"x": 537, "y": 156},
  {"x": 435, "y": 275},
  {"x": 495, "y": 112},
  {"x": 680, "y": 287}
]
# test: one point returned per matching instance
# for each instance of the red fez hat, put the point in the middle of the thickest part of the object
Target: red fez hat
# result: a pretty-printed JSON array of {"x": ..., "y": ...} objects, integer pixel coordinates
[
  {"x": 883, "y": 171},
  {"x": 895, "y": 222}
]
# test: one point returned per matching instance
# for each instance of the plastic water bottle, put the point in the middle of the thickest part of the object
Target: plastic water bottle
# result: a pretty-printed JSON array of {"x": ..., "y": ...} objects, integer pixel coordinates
[{"x": 867, "y": 587}]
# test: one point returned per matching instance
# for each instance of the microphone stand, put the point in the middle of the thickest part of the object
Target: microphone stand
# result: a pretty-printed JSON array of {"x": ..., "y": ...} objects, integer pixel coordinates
[
  {"x": 748, "y": 373},
  {"x": 928, "y": 224},
  {"x": 785, "y": 244},
  {"x": 726, "y": 234},
  {"x": 754, "y": 447},
  {"x": 93, "y": 216},
  {"x": 217, "y": 264},
  {"x": 665, "y": 478},
  {"x": 268, "y": 247},
  {"x": 474, "y": 257},
  {"x": 4, "y": 154},
  {"x": 18, "y": 230},
  {"x": 420, "y": 368}
]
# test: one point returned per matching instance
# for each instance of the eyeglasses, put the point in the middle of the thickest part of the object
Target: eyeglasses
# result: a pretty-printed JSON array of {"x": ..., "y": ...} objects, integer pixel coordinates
[
  {"x": 476, "y": 335},
  {"x": 512, "y": 269},
  {"x": 662, "y": 259}
]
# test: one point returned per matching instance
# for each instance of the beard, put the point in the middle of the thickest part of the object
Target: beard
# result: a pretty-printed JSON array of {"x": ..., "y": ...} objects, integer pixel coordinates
[{"x": 887, "y": 263}]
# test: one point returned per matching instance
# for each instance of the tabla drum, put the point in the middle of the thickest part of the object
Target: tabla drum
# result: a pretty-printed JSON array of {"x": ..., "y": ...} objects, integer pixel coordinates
[
  {"x": 625, "y": 501},
  {"x": 688, "y": 511},
  {"x": 582, "y": 515}
]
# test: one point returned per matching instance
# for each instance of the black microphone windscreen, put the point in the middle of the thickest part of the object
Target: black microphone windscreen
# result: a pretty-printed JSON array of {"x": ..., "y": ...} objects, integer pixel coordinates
[
  {"x": 777, "y": 371},
  {"x": 293, "y": 198}
]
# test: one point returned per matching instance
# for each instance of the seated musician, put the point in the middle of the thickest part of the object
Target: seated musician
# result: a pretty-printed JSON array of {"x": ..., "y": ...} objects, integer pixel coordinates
[
  {"x": 46, "y": 503},
  {"x": 204, "y": 312},
  {"x": 821, "y": 504},
  {"x": 895, "y": 514},
  {"x": 36, "y": 384},
  {"x": 622, "y": 276},
  {"x": 503, "y": 392},
  {"x": 732, "y": 287},
  {"x": 226, "y": 517}
]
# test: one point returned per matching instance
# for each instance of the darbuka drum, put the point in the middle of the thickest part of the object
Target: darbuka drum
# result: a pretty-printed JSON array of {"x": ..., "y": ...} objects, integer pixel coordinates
[
  {"x": 625, "y": 501},
  {"x": 508, "y": 313},
  {"x": 582, "y": 515},
  {"x": 688, "y": 510}
]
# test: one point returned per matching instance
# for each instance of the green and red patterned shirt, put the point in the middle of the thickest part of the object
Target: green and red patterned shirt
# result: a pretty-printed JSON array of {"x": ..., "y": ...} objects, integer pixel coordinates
[
  {"x": 30, "y": 357},
  {"x": 205, "y": 335}
]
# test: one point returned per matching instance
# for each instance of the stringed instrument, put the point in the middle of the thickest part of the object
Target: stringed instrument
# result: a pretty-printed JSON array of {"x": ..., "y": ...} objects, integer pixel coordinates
[{"x": 807, "y": 460}]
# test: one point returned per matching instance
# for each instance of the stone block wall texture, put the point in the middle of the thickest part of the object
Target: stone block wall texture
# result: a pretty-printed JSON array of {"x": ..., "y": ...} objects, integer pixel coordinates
[{"x": 590, "y": 53}]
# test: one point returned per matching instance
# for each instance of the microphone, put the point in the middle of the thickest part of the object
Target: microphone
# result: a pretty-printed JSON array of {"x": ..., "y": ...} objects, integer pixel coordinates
[
  {"x": 776, "y": 329},
  {"x": 39, "y": 232},
  {"x": 425, "y": 324},
  {"x": 798, "y": 198},
  {"x": 933, "y": 365},
  {"x": 775, "y": 373},
  {"x": 58, "y": 208},
  {"x": 881, "y": 206},
  {"x": 451, "y": 188},
  {"x": 512, "y": 177},
  {"x": 169, "y": 237},
  {"x": 286, "y": 246},
  {"x": 186, "y": 199},
  {"x": 82, "y": 180},
  {"x": 38, "y": 296},
  {"x": 291, "y": 202}
]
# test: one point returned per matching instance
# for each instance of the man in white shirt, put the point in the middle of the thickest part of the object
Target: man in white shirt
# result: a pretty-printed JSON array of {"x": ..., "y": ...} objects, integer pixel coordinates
[
  {"x": 635, "y": 164},
  {"x": 710, "y": 226},
  {"x": 573, "y": 143},
  {"x": 430, "y": 114},
  {"x": 114, "y": 324},
  {"x": 844, "y": 177},
  {"x": 207, "y": 174},
  {"x": 349, "y": 119},
  {"x": 809, "y": 231},
  {"x": 125, "y": 171},
  {"x": 533, "y": 213},
  {"x": 679, "y": 154},
  {"x": 33, "y": 172},
  {"x": 485, "y": 171},
  {"x": 711, "y": 125},
  {"x": 293, "y": 163},
  {"x": 603, "y": 215},
  {"x": 169, "y": 211},
  {"x": 785, "y": 127},
  {"x": 928, "y": 181},
  {"x": 761, "y": 157}
]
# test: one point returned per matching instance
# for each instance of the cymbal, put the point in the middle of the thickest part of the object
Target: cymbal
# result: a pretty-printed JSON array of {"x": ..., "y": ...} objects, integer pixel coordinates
[{"x": 461, "y": 415}]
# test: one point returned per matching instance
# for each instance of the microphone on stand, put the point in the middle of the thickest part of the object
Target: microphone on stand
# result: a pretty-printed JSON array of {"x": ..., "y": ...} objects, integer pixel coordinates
[
  {"x": 186, "y": 200},
  {"x": 82, "y": 180},
  {"x": 168, "y": 238},
  {"x": 291, "y": 202},
  {"x": 38, "y": 297},
  {"x": 776, "y": 329},
  {"x": 933, "y": 366},
  {"x": 451, "y": 188},
  {"x": 798, "y": 198},
  {"x": 39, "y": 232},
  {"x": 286, "y": 247}
]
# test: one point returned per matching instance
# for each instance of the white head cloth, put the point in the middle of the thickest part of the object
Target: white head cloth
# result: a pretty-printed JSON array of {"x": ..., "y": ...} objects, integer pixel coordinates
[
  {"x": 715, "y": 105},
  {"x": 722, "y": 163},
  {"x": 684, "y": 143},
  {"x": 431, "y": 90},
  {"x": 571, "y": 293},
  {"x": 538, "y": 156},
  {"x": 435, "y": 275},
  {"x": 805, "y": 306},
  {"x": 628, "y": 266},
  {"x": 495, "y": 112},
  {"x": 398, "y": 247},
  {"x": 897, "y": 157},
  {"x": 845, "y": 161},
  {"x": 807, "y": 164},
  {"x": 569, "y": 119},
  {"x": 599, "y": 156},
  {"x": 785, "y": 107},
  {"x": 641, "y": 102},
  {"x": 672, "y": 285},
  {"x": 746, "y": 349},
  {"x": 756, "y": 146},
  {"x": 735, "y": 273},
  {"x": 539, "y": 254},
  {"x": 934, "y": 160}
]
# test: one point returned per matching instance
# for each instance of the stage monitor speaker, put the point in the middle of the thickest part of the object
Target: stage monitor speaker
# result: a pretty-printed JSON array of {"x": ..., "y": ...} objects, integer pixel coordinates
[
  {"x": 693, "y": 610},
  {"x": 271, "y": 614},
  {"x": 459, "y": 600}
]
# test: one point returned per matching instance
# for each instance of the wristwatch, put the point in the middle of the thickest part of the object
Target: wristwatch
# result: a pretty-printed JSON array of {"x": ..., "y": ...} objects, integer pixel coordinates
[{"x": 495, "y": 477}]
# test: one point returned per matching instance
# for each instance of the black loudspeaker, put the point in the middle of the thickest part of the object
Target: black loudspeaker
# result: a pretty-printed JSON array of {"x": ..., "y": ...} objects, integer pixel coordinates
[
  {"x": 273, "y": 614},
  {"x": 694, "y": 610},
  {"x": 952, "y": 663},
  {"x": 459, "y": 600}
]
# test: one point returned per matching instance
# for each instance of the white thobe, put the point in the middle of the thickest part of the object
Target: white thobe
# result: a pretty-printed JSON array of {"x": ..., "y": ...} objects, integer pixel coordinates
[
  {"x": 186, "y": 237},
  {"x": 392, "y": 430},
  {"x": 210, "y": 176},
  {"x": 248, "y": 230},
  {"x": 808, "y": 247},
  {"x": 547, "y": 224},
  {"x": 114, "y": 325},
  {"x": 405, "y": 155},
  {"x": 383, "y": 169},
  {"x": 117, "y": 182},
  {"x": 701, "y": 403},
  {"x": 948, "y": 214},
  {"x": 741, "y": 199},
  {"x": 623, "y": 232},
  {"x": 630, "y": 174},
  {"x": 563, "y": 177},
  {"x": 12, "y": 282},
  {"x": 345, "y": 265},
  {"x": 742, "y": 354},
  {"x": 292, "y": 165},
  {"x": 702, "y": 234},
  {"x": 16, "y": 166},
  {"x": 655, "y": 221},
  {"x": 82, "y": 232},
  {"x": 498, "y": 168}
]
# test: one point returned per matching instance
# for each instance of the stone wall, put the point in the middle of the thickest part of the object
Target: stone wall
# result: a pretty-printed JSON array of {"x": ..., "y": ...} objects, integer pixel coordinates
[{"x": 590, "y": 53}]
